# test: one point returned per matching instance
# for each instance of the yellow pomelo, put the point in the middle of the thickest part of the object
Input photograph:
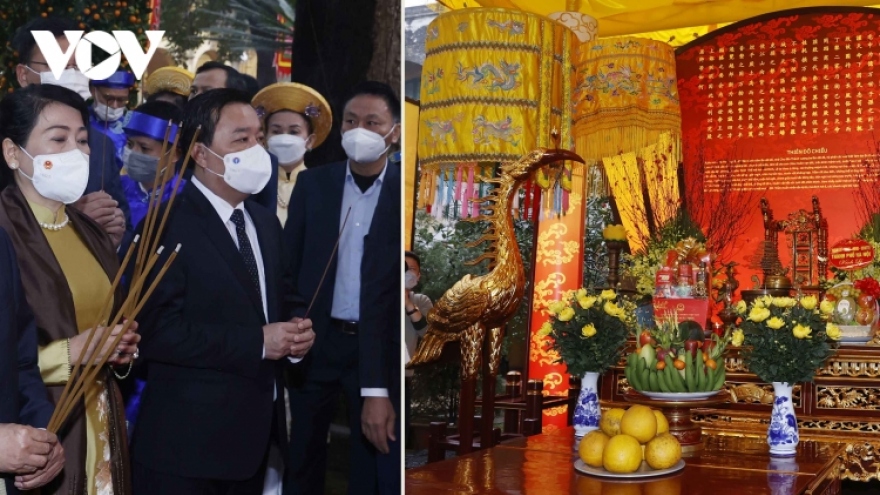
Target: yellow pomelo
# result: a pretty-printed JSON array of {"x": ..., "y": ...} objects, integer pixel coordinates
[
  {"x": 663, "y": 451},
  {"x": 662, "y": 424},
  {"x": 623, "y": 454},
  {"x": 610, "y": 422},
  {"x": 591, "y": 448},
  {"x": 639, "y": 421}
]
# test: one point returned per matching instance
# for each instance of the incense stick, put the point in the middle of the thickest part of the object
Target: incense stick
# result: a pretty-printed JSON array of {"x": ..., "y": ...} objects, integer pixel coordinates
[
  {"x": 105, "y": 309},
  {"x": 326, "y": 268},
  {"x": 79, "y": 381},
  {"x": 103, "y": 357}
]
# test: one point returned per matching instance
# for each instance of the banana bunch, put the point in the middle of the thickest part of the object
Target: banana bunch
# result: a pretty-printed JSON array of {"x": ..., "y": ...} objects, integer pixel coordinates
[{"x": 687, "y": 373}]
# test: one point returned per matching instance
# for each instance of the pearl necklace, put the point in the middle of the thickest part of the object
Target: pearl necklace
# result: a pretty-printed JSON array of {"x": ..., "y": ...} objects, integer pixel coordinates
[
  {"x": 281, "y": 202},
  {"x": 55, "y": 226}
]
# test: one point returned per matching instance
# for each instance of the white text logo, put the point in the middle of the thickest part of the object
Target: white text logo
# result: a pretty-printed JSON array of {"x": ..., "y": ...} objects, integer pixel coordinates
[{"x": 118, "y": 44}]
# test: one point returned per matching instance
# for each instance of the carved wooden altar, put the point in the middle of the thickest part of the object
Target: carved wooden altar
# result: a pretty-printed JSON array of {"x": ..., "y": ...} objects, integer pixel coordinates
[{"x": 842, "y": 404}]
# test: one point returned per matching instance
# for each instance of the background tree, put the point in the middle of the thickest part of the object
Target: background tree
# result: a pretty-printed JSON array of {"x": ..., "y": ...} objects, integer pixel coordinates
[{"x": 92, "y": 15}]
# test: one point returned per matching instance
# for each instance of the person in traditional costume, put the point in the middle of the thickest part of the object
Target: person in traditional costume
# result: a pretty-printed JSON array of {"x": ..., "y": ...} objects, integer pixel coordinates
[
  {"x": 145, "y": 131},
  {"x": 67, "y": 262},
  {"x": 169, "y": 84},
  {"x": 107, "y": 113},
  {"x": 296, "y": 119}
]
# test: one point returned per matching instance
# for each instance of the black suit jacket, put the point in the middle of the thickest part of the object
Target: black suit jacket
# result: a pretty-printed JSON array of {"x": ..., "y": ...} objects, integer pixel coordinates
[
  {"x": 311, "y": 230},
  {"x": 23, "y": 397},
  {"x": 207, "y": 408},
  {"x": 104, "y": 169}
]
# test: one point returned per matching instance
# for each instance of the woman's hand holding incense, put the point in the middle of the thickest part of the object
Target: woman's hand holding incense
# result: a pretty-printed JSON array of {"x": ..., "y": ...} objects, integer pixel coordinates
[{"x": 121, "y": 354}]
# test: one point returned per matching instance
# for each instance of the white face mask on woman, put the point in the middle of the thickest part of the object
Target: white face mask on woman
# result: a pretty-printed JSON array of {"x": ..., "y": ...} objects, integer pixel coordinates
[
  {"x": 287, "y": 147},
  {"x": 247, "y": 171},
  {"x": 60, "y": 176},
  {"x": 364, "y": 146}
]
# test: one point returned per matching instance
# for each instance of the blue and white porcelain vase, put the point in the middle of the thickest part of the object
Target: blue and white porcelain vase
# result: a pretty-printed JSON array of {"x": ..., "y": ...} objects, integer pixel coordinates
[
  {"x": 587, "y": 412},
  {"x": 782, "y": 435}
]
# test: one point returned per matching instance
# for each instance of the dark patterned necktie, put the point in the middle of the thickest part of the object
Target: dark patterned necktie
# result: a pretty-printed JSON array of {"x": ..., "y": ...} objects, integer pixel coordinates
[{"x": 244, "y": 246}]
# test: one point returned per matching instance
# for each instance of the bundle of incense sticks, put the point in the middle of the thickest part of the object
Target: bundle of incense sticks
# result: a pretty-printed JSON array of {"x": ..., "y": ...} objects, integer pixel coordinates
[{"x": 88, "y": 365}]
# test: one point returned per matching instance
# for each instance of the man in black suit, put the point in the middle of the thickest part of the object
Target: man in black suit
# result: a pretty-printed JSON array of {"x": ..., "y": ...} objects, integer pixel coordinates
[
  {"x": 343, "y": 201},
  {"x": 211, "y": 336},
  {"x": 103, "y": 199},
  {"x": 34, "y": 455}
]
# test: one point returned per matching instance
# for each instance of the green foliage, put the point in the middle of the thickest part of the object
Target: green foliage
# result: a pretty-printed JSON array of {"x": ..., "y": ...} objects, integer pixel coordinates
[
  {"x": 442, "y": 249},
  {"x": 92, "y": 15},
  {"x": 589, "y": 330},
  {"x": 595, "y": 254},
  {"x": 786, "y": 353}
]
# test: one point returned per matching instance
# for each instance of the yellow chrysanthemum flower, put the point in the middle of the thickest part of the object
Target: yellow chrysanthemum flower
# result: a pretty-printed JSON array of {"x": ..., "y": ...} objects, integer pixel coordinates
[
  {"x": 589, "y": 330},
  {"x": 801, "y": 331},
  {"x": 555, "y": 307},
  {"x": 741, "y": 307},
  {"x": 581, "y": 293},
  {"x": 546, "y": 329},
  {"x": 833, "y": 331},
  {"x": 784, "y": 302},
  {"x": 566, "y": 314},
  {"x": 776, "y": 323},
  {"x": 737, "y": 338},
  {"x": 587, "y": 302},
  {"x": 608, "y": 295},
  {"x": 826, "y": 307},
  {"x": 758, "y": 315},
  {"x": 809, "y": 302}
]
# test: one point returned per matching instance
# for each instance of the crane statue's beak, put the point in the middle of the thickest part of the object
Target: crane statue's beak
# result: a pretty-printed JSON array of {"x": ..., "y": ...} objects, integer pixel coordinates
[{"x": 558, "y": 155}]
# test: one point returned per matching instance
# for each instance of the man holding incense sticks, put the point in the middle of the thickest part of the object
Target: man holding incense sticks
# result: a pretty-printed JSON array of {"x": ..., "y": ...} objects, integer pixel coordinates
[
  {"x": 213, "y": 337},
  {"x": 339, "y": 239}
]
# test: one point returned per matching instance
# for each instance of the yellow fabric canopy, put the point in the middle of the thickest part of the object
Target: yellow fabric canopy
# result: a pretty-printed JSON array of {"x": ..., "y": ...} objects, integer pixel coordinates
[{"x": 635, "y": 17}]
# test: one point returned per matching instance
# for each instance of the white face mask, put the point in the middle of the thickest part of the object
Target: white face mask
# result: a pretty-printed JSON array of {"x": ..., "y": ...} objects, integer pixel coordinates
[
  {"x": 60, "y": 176},
  {"x": 107, "y": 114},
  {"x": 287, "y": 147},
  {"x": 364, "y": 146},
  {"x": 247, "y": 171},
  {"x": 71, "y": 79},
  {"x": 410, "y": 279}
]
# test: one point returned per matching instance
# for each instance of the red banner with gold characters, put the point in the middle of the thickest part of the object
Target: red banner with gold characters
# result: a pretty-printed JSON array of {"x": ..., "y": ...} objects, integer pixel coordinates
[
  {"x": 155, "y": 10},
  {"x": 783, "y": 106},
  {"x": 557, "y": 269}
]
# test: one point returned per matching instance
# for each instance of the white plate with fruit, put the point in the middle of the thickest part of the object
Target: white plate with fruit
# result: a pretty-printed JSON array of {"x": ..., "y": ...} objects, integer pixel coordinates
[
  {"x": 644, "y": 471},
  {"x": 631, "y": 443}
]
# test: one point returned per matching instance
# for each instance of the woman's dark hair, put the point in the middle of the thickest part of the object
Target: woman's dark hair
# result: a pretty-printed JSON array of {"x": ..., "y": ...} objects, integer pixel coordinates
[
  {"x": 309, "y": 125},
  {"x": 20, "y": 110}
]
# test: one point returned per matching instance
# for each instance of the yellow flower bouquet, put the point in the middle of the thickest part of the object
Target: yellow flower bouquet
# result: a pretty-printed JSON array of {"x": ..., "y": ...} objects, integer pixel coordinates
[
  {"x": 589, "y": 329},
  {"x": 785, "y": 339}
]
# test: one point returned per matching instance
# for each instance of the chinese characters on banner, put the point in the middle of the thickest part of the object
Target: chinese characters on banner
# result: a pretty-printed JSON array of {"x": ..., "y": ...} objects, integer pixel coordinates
[{"x": 785, "y": 107}]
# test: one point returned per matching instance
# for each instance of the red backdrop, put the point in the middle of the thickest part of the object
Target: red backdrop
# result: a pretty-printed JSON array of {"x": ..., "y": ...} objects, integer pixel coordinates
[{"x": 784, "y": 106}]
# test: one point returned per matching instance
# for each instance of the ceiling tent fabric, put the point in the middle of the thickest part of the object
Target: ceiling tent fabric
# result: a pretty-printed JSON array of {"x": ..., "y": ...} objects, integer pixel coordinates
[{"x": 644, "y": 17}]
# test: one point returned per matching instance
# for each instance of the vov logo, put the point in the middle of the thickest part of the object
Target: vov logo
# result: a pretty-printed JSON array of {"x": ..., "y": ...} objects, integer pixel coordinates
[{"x": 117, "y": 44}]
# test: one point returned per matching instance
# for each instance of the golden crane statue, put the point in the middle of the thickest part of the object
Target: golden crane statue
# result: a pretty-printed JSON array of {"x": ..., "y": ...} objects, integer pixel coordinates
[{"x": 475, "y": 310}]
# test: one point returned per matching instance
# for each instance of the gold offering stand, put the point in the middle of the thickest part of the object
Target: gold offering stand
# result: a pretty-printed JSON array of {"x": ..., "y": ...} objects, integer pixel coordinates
[{"x": 678, "y": 413}]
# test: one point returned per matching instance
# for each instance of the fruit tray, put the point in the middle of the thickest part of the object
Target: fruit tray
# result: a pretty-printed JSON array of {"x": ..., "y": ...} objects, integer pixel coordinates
[{"x": 644, "y": 471}]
